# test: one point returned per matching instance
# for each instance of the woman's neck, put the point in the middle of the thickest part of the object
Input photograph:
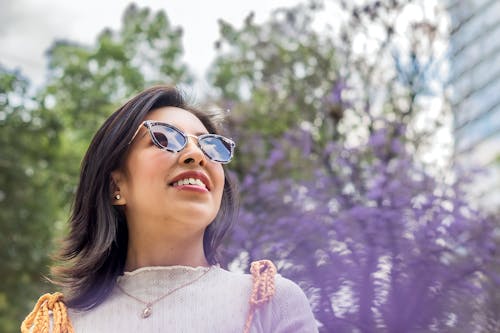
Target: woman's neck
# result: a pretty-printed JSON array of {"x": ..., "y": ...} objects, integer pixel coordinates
[{"x": 156, "y": 250}]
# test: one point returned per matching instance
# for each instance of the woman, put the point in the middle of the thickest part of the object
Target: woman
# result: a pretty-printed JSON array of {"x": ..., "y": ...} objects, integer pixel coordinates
[{"x": 150, "y": 212}]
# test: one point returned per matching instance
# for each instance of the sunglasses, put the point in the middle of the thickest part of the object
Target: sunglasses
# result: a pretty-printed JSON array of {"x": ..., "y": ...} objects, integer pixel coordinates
[{"x": 167, "y": 137}]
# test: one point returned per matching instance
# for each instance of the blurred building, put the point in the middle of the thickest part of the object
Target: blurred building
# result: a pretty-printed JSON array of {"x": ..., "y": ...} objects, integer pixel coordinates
[{"x": 475, "y": 79}]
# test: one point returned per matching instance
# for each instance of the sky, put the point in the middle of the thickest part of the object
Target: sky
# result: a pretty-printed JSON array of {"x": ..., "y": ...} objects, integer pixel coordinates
[{"x": 29, "y": 27}]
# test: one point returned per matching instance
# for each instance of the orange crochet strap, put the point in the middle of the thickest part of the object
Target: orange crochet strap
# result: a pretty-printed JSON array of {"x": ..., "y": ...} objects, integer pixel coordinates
[
  {"x": 38, "y": 321},
  {"x": 263, "y": 273}
]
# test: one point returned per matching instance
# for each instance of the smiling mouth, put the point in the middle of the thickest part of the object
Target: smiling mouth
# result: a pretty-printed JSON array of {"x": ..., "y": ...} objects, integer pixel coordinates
[{"x": 189, "y": 181}]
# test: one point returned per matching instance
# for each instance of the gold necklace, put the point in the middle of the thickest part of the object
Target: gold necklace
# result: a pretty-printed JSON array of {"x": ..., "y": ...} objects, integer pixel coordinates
[{"x": 148, "y": 310}]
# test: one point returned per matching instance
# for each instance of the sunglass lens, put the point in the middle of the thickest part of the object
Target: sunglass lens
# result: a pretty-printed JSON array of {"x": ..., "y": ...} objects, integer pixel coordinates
[
  {"x": 168, "y": 138},
  {"x": 216, "y": 148}
]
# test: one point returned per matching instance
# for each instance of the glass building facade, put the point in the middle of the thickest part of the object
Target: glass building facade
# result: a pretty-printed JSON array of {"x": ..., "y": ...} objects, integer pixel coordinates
[{"x": 475, "y": 81}]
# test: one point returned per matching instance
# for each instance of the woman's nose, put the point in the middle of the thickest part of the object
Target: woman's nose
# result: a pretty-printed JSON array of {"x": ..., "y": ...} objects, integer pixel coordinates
[{"x": 192, "y": 153}]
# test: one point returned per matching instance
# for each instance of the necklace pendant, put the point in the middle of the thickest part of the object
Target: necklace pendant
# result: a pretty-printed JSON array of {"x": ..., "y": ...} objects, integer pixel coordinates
[{"x": 147, "y": 311}]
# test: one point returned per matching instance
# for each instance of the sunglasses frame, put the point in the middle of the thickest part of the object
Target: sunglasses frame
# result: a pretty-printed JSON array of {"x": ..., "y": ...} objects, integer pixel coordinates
[{"x": 150, "y": 123}]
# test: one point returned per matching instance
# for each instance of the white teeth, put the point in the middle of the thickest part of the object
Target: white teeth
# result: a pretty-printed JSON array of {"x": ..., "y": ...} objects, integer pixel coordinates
[{"x": 189, "y": 181}]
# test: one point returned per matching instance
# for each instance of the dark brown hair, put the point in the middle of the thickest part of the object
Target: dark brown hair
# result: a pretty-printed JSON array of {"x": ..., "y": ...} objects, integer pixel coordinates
[{"x": 94, "y": 252}]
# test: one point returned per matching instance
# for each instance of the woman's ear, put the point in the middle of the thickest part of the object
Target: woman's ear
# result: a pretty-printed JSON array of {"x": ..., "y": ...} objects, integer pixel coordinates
[{"x": 118, "y": 197}]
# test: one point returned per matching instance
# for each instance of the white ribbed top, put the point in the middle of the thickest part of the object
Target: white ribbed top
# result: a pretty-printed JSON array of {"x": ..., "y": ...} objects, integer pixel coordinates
[{"x": 217, "y": 302}]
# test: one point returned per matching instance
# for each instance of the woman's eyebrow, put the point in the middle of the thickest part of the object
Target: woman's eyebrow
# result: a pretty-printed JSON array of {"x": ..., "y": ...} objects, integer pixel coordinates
[{"x": 198, "y": 133}]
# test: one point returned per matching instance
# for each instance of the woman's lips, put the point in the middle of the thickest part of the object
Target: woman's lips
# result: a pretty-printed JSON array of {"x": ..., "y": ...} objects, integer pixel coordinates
[
  {"x": 194, "y": 180},
  {"x": 194, "y": 188},
  {"x": 189, "y": 181}
]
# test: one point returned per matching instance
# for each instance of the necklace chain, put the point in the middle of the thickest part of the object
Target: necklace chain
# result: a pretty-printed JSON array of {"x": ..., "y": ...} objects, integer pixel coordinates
[{"x": 148, "y": 310}]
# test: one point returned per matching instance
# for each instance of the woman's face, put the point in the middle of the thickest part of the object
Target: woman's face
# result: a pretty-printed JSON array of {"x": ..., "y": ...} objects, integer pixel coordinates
[{"x": 149, "y": 183}]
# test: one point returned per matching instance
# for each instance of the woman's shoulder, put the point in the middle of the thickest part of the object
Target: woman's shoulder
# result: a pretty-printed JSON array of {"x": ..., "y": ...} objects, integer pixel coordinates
[
  {"x": 288, "y": 289},
  {"x": 282, "y": 287},
  {"x": 288, "y": 309},
  {"x": 276, "y": 289},
  {"x": 279, "y": 304}
]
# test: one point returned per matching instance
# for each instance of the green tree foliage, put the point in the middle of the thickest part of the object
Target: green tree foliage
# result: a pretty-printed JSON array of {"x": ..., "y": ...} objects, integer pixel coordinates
[
  {"x": 375, "y": 61},
  {"x": 86, "y": 82},
  {"x": 274, "y": 76},
  {"x": 282, "y": 66},
  {"x": 28, "y": 197}
]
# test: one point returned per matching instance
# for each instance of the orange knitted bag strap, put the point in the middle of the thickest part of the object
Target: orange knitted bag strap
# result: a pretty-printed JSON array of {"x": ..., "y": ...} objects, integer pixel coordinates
[
  {"x": 39, "y": 319},
  {"x": 263, "y": 273}
]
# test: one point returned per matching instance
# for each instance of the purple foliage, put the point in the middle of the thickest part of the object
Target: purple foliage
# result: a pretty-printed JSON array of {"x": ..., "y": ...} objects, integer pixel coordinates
[{"x": 377, "y": 243}]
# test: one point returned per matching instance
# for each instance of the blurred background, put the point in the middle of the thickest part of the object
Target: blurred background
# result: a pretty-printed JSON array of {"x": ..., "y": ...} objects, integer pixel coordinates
[{"x": 368, "y": 142}]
